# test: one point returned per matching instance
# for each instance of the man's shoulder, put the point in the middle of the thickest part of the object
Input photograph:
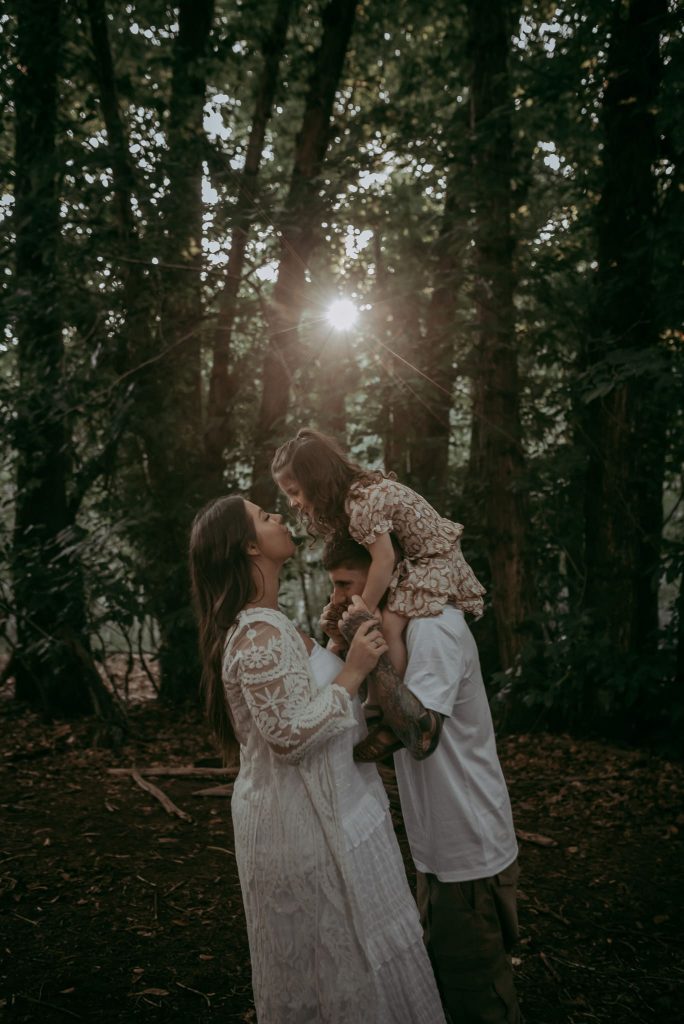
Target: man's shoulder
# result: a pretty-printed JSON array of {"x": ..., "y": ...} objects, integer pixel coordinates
[{"x": 450, "y": 623}]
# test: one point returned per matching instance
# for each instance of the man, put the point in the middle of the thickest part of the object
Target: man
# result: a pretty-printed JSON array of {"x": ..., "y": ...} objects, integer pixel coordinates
[{"x": 454, "y": 802}]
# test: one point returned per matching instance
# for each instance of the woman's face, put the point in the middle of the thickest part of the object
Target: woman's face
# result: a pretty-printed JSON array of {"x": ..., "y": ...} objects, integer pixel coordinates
[
  {"x": 273, "y": 538},
  {"x": 293, "y": 492}
]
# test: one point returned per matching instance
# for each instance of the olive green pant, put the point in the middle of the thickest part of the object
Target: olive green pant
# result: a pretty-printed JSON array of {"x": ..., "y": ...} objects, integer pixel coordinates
[{"x": 469, "y": 930}]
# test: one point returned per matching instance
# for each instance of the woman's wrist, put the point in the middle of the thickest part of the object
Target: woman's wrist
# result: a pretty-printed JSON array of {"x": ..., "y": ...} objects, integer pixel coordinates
[{"x": 350, "y": 679}]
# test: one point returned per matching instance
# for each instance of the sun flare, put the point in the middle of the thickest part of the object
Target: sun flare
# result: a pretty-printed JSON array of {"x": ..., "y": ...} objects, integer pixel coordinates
[{"x": 342, "y": 314}]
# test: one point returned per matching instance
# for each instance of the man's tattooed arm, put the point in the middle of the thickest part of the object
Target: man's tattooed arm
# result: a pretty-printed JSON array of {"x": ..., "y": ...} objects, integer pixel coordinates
[{"x": 417, "y": 727}]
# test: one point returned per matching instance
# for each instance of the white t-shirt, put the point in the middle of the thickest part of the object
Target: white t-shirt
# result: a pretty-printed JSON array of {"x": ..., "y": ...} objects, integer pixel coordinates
[{"x": 455, "y": 803}]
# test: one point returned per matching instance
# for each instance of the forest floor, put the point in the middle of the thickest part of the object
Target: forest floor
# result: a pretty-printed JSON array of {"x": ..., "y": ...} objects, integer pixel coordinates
[{"x": 111, "y": 910}]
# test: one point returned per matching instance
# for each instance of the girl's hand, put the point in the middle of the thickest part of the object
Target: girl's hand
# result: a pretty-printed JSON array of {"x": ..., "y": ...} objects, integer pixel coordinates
[
  {"x": 366, "y": 647},
  {"x": 358, "y": 604},
  {"x": 353, "y": 616}
]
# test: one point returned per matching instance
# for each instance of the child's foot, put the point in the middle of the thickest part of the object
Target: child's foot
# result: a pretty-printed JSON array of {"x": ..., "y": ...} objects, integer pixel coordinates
[
  {"x": 379, "y": 744},
  {"x": 372, "y": 713}
]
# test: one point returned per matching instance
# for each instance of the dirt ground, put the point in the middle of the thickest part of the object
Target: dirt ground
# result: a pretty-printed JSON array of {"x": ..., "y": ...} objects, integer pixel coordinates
[{"x": 112, "y": 910}]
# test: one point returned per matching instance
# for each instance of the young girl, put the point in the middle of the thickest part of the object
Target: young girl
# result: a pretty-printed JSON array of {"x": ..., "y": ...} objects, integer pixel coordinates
[{"x": 335, "y": 495}]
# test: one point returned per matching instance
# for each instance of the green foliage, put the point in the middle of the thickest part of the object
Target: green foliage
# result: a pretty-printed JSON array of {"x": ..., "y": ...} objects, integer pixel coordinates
[{"x": 400, "y": 139}]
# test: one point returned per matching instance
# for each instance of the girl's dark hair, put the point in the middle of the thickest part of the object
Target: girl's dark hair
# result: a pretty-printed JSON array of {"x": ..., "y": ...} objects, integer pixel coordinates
[
  {"x": 222, "y": 584},
  {"x": 325, "y": 474}
]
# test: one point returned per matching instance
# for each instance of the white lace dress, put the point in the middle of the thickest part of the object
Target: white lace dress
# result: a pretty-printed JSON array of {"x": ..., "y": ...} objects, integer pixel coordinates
[{"x": 334, "y": 933}]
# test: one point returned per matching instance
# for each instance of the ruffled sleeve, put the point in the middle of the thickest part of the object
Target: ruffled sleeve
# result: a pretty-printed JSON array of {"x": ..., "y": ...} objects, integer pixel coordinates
[
  {"x": 370, "y": 510},
  {"x": 286, "y": 709}
]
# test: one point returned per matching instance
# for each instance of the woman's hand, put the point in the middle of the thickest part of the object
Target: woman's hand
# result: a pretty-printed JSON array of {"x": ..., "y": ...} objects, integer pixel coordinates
[
  {"x": 364, "y": 651},
  {"x": 366, "y": 647}
]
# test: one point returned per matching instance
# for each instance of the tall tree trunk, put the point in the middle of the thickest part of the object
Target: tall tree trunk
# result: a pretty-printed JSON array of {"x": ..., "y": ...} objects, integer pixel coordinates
[
  {"x": 166, "y": 412},
  {"x": 679, "y": 640},
  {"x": 300, "y": 220},
  {"x": 625, "y": 423},
  {"x": 430, "y": 415},
  {"x": 400, "y": 390},
  {"x": 53, "y": 662},
  {"x": 223, "y": 384},
  {"x": 132, "y": 345},
  {"x": 168, "y": 395},
  {"x": 497, "y": 455},
  {"x": 396, "y": 328},
  {"x": 383, "y": 322},
  {"x": 182, "y": 311}
]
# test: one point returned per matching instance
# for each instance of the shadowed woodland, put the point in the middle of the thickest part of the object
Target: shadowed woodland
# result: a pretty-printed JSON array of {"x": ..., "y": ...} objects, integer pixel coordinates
[{"x": 497, "y": 191}]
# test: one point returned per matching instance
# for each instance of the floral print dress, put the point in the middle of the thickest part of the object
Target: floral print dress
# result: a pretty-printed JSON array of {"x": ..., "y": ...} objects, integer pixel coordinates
[{"x": 433, "y": 570}]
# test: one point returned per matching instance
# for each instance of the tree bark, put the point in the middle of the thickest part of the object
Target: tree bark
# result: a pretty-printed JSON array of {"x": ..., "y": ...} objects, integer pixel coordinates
[
  {"x": 169, "y": 394},
  {"x": 679, "y": 638},
  {"x": 430, "y": 416},
  {"x": 497, "y": 464},
  {"x": 135, "y": 302},
  {"x": 223, "y": 385},
  {"x": 165, "y": 406},
  {"x": 182, "y": 312},
  {"x": 53, "y": 661},
  {"x": 401, "y": 391},
  {"x": 300, "y": 220},
  {"x": 122, "y": 170},
  {"x": 625, "y": 421}
]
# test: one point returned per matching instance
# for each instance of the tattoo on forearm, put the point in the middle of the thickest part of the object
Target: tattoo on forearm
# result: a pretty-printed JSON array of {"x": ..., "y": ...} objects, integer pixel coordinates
[{"x": 417, "y": 727}]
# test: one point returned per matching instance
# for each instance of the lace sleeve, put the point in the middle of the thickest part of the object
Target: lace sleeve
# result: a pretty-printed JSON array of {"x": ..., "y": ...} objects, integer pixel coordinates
[
  {"x": 370, "y": 512},
  {"x": 291, "y": 715}
]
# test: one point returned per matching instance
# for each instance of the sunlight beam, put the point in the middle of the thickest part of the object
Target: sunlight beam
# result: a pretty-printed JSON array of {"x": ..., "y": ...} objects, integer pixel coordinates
[{"x": 342, "y": 314}]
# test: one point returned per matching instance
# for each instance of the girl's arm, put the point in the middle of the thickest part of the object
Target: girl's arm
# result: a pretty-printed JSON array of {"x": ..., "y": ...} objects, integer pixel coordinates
[{"x": 380, "y": 572}]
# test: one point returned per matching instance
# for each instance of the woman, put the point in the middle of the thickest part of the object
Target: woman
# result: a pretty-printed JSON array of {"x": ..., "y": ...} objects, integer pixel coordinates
[{"x": 333, "y": 931}]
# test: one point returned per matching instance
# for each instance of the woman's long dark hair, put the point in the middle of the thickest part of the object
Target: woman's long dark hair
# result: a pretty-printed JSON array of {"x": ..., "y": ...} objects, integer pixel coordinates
[
  {"x": 222, "y": 584},
  {"x": 325, "y": 474}
]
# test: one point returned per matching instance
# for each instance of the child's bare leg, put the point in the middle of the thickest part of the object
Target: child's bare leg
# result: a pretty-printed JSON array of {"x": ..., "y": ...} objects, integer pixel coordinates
[
  {"x": 382, "y": 742},
  {"x": 393, "y": 626}
]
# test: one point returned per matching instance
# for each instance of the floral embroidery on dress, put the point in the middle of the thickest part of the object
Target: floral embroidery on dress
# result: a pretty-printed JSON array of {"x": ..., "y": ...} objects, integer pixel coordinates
[
  {"x": 276, "y": 694},
  {"x": 256, "y": 656},
  {"x": 334, "y": 934}
]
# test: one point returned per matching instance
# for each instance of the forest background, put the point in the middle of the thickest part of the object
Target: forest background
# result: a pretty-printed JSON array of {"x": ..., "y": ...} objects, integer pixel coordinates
[{"x": 496, "y": 187}]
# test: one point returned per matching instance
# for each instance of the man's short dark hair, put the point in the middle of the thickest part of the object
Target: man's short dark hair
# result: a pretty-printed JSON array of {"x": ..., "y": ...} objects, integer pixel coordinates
[{"x": 342, "y": 550}]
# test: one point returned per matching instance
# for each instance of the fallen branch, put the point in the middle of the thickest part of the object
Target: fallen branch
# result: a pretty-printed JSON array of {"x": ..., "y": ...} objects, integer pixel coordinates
[
  {"x": 215, "y": 791},
  {"x": 195, "y": 990},
  {"x": 543, "y": 909},
  {"x": 534, "y": 837},
  {"x": 52, "y": 1006},
  {"x": 550, "y": 968},
  {"x": 157, "y": 793},
  {"x": 179, "y": 771}
]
